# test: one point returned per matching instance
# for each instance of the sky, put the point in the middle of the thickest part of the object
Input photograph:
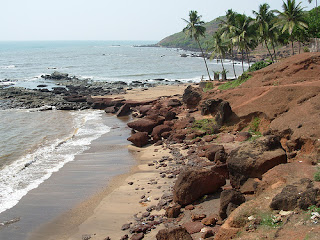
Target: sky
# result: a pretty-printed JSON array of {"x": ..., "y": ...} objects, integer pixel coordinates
[{"x": 111, "y": 19}]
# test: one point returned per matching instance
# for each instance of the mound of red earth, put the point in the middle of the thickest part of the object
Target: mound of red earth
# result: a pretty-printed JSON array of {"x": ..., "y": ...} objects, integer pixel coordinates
[{"x": 287, "y": 94}]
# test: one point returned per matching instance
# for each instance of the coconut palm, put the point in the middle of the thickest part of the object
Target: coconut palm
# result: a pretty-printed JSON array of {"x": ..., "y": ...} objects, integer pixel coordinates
[
  {"x": 264, "y": 18},
  {"x": 219, "y": 47},
  {"x": 226, "y": 26},
  {"x": 291, "y": 18},
  {"x": 310, "y": 1},
  {"x": 195, "y": 30},
  {"x": 244, "y": 35}
]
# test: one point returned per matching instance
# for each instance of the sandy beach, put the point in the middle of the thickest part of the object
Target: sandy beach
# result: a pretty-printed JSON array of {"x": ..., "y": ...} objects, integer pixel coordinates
[{"x": 104, "y": 213}]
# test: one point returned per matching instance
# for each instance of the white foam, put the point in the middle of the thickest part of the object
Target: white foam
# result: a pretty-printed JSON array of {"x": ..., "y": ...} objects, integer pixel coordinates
[{"x": 28, "y": 172}]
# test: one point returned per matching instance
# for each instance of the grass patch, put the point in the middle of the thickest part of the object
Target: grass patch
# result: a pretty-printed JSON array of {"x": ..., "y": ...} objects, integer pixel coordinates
[
  {"x": 270, "y": 221},
  {"x": 209, "y": 86},
  {"x": 209, "y": 126},
  {"x": 235, "y": 83},
  {"x": 254, "y": 129},
  {"x": 317, "y": 176}
]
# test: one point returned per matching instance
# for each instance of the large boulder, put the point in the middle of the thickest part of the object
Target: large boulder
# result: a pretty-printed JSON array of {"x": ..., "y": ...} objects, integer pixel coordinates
[
  {"x": 191, "y": 97},
  {"x": 177, "y": 233},
  {"x": 139, "y": 139},
  {"x": 124, "y": 110},
  {"x": 218, "y": 108},
  {"x": 158, "y": 130},
  {"x": 252, "y": 159},
  {"x": 143, "y": 125},
  {"x": 229, "y": 200},
  {"x": 300, "y": 194},
  {"x": 193, "y": 183}
]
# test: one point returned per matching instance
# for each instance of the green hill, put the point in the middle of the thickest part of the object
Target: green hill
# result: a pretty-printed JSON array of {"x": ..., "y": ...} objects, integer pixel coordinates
[{"x": 181, "y": 40}]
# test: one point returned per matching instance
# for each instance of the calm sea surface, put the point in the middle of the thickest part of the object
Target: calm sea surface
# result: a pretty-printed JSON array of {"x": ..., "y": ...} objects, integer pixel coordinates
[{"x": 35, "y": 144}]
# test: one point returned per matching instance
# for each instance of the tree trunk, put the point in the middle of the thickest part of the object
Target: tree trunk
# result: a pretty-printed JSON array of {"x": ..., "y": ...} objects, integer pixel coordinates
[
  {"x": 232, "y": 56},
  {"x": 265, "y": 42},
  {"x": 299, "y": 47},
  {"x": 248, "y": 60},
  {"x": 204, "y": 59},
  {"x": 292, "y": 48},
  {"x": 222, "y": 64},
  {"x": 242, "y": 61},
  {"x": 274, "y": 50}
]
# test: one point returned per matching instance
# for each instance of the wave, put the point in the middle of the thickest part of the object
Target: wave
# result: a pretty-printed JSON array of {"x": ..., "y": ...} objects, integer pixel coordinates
[{"x": 28, "y": 172}]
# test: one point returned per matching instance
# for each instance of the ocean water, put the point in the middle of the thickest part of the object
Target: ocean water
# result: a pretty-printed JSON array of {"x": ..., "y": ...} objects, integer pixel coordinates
[{"x": 33, "y": 144}]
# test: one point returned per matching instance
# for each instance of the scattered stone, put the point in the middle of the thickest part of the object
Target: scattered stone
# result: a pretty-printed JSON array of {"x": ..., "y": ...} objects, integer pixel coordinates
[
  {"x": 173, "y": 234},
  {"x": 173, "y": 212},
  {"x": 125, "y": 226},
  {"x": 193, "y": 227},
  {"x": 130, "y": 183},
  {"x": 137, "y": 236},
  {"x": 189, "y": 207},
  {"x": 229, "y": 200},
  {"x": 211, "y": 220},
  {"x": 198, "y": 217}
]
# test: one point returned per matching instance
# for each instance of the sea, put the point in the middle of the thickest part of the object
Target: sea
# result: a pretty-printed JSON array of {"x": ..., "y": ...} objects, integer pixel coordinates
[{"x": 34, "y": 145}]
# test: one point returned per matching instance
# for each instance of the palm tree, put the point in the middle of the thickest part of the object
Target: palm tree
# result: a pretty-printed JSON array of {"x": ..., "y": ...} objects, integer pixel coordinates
[
  {"x": 291, "y": 18},
  {"x": 226, "y": 27},
  {"x": 264, "y": 19},
  {"x": 244, "y": 35},
  {"x": 195, "y": 30},
  {"x": 310, "y": 1},
  {"x": 218, "y": 47}
]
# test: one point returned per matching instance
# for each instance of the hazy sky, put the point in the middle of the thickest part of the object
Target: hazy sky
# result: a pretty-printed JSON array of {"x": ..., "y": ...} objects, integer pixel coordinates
[{"x": 110, "y": 19}]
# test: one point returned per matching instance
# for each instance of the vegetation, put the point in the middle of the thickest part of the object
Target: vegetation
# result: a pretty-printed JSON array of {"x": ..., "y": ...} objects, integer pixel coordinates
[
  {"x": 209, "y": 126},
  {"x": 259, "y": 65},
  {"x": 195, "y": 30},
  {"x": 237, "y": 33},
  {"x": 317, "y": 175},
  {"x": 235, "y": 83}
]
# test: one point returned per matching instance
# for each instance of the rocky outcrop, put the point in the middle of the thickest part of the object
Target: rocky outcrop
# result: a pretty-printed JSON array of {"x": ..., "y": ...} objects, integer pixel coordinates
[
  {"x": 191, "y": 97},
  {"x": 177, "y": 233},
  {"x": 139, "y": 139},
  {"x": 301, "y": 194},
  {"x": 57, "y": 76},
  {"x": 192, "y": 184},
  {"x": 158, "y": 131},
  {"x": 143, "y": 125},
  {"x": 218, "y": 108},
  {"x": 252, "y": 159},
  {"x": 230, "y": 200}
]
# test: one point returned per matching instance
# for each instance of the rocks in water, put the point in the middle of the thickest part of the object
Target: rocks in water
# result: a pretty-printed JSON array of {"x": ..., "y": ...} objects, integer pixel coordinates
[
  {"x": 229, "y": 200},
  {"x": 300, "y": 194},
  {"x": 252, "y": 159},
  {"x": 173, "y": 234},
  {"x": 193, "y": 183},
  {"x": 139, "y": 139},
  {"x": 191, "y": 97},
  {"x": 57, "y": 76},
  {"x": 124, "y": 110}
]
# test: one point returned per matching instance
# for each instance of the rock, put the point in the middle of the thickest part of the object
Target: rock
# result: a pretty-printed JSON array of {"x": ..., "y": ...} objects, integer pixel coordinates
[
  {"x": 207, "y": 234},
  {"x": 193, "y": 227},
  {"x": 75, "y": 98},
  {"x": 176, "y": 233},
  {"x": 173, "y": 212},
  {"x": 197, "y": 217},
  {"x": 125, "y": 226},
  {"x": 193, "y": 183},
  {"x": 249, "y": 186},
  {"x": 211, "y": 220},
  {"x": 189, "y": 207},
  {"x": 139, "y": 139},
  {"x": 170, "y": 116},
  {"x": 174, "y": 103},
  {"x": 124, "y": 110},
  {"x": 218, "y": 108},
  {"x": 211, "y": 151},
  {"x": 158, "y": 130},
  {"x": 191, "y": 97},
  {"x": 125, "y": 237},
  {"x": 137, "y": 236},
  {"x": 57, "y": 76},
  {"x": 110, "y": 109},
  {"x": 252, "y": 159},
  {"x": 143, "y": 125},
  {"x": 242, "y": 136},
  {"x": 300, "y": 194},
  {"x": 144, "y": 109},
  {"x": 229, "y": 200}
]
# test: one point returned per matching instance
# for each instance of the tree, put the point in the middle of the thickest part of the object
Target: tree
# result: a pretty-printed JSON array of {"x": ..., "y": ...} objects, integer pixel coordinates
[
  {"x": 291, "y": 18},
  {"x": 195, "y": 30},
  {"x": 244, "y": 32},
  {"x": 219, "y": 47},
  {"x": 264, "y": 19},
  {"x": 226, "y": 27}
]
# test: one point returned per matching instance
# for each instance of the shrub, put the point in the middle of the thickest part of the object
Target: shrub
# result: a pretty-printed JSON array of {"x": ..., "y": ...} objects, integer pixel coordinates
[
  {"x": 233, "y": 84},
  {"x": 209, "y": 126},
  {"x": 259, "y": 65}
]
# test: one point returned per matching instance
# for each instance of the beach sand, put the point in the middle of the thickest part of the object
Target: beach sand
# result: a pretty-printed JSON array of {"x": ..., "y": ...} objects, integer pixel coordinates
[{"x": 104, "y": 213}]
